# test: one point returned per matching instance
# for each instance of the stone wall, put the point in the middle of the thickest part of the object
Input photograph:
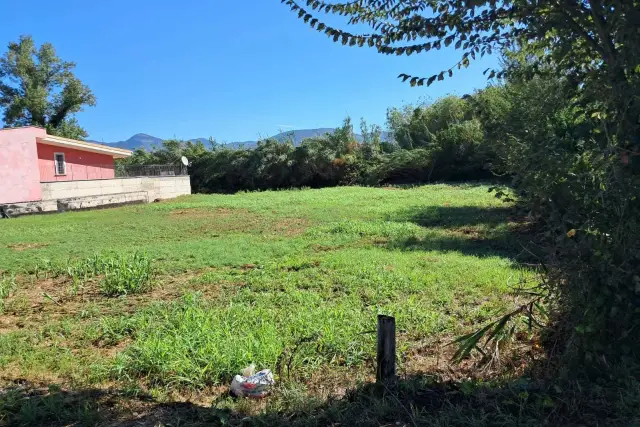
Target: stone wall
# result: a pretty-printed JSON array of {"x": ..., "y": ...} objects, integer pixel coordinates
[{"x": 156, "y": 187}]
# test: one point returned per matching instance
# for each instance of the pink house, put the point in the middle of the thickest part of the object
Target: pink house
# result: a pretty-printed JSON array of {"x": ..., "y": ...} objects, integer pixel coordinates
[
  {"x": 46, "y": 173},
  {"x": 30, "y": 157}
]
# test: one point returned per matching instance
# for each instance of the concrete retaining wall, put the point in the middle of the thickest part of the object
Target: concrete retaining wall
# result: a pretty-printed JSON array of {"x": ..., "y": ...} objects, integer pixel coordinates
[
  {"x": 107, "y": 200},
  {"x": 71, "y": 195},
  {"x": 156, "y": 187},
  {"x": 27, "y": 208}
]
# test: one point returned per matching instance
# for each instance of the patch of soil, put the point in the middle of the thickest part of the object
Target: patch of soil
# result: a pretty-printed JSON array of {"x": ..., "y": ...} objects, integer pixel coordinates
[
  {"x": 204, "y": 213},
  {"x": 47, "y": 300},
  {"x": 290, "y": 226},
  {"x": 325, "y": 248},
  {"x": 470, "y": 232},
  {"x": 110, "y": 351},
  {"x": 24, "y": 246},
  {"x": 9, "y": 323},
  {"x": 435, "y": 358},
  {"x": 221, "y": 220}
]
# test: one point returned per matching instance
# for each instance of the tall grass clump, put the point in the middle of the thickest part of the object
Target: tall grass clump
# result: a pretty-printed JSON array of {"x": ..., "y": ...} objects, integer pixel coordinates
[
  {"x": 120, "y": 274},
  {"x": 127, "y": 274},
  {"x": 7, "y": 286},
  {"x": 194, "y": 343}
]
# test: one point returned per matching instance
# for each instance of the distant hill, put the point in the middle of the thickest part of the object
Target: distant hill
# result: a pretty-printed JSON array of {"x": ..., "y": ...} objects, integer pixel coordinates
[
  {"x": 139, "y": 140},
  {"x": 142, "y": 140},
  {"x": 298, "y": 136}
]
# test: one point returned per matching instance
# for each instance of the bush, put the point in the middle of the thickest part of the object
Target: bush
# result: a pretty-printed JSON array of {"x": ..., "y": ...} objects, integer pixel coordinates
[
  {"x": 450, "y": 132},
  {"x": 403, "y": 167},
  {"x": 446, "y": 137},
  {"x": 571, "y": 174}
]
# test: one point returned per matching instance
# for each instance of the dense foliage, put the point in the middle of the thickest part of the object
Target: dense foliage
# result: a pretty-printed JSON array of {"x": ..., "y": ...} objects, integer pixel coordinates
[
  {"x": 570, "y": 136},
  {"x": 441, "y": 141},
  {"x": 38, "y": 88},
  {"x": 581, "y": 184}
]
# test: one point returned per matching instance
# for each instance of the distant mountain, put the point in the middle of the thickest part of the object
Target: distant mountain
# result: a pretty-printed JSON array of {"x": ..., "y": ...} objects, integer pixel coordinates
[
  {"x": 139, "y": 140},
  {"x": 142, "y": 140},
  {"x": 297, "y": 136}
]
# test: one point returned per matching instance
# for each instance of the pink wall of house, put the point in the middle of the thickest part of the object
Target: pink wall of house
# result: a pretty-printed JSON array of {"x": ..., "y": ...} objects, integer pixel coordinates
[
  {"x": 19, "y": 174},
  {"x": 81, "y": 165}
]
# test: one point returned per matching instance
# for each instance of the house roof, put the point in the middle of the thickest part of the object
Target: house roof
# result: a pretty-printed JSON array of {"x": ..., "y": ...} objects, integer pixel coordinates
[{"x": 117, "y": 153}]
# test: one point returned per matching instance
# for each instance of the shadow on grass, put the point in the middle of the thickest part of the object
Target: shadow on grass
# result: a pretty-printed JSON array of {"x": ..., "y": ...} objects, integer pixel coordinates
[
  {"x": 413, "y": 401},
  {"x": 455, "y": 216},
  {"x": 502, "y": 245},
  {"x": 471, "y": 230}
]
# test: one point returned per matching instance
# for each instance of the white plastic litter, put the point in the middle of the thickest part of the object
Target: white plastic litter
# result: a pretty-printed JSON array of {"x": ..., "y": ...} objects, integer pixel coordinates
[
  {"x": 249, "y": 370},
  {"x": 255, "y": 386}
]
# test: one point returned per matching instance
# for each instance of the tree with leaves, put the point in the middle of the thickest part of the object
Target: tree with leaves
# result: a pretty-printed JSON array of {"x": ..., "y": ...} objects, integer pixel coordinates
[
  {"x": 38, "y": 88},
  {"x": 574, "y": 151},
  {"x": 589, "y": 40}
]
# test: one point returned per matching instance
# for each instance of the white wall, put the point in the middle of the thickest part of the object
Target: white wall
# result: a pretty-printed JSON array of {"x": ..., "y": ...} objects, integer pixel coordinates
[{"x": 156, "y": 187}]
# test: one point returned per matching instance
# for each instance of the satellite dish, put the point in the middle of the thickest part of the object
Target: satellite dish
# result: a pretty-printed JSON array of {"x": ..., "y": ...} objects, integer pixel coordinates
[{"x": 184, "y": 161}]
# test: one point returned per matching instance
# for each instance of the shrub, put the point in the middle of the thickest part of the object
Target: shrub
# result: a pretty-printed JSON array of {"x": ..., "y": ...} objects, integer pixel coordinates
[
  {"x": 577, "y": 180},
  {"x": 446, "y": 138},
  {"x": 450, "y": 132}
]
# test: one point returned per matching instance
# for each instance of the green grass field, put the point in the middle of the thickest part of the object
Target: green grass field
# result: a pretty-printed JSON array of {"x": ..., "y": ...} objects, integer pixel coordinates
[{"x": 288, "y": 280}]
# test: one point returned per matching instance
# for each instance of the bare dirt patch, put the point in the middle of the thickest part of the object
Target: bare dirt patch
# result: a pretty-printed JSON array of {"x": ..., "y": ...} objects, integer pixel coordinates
[
  {"x": 199, "y": 213},
  {"x": 469, "y": 232},
  {"x": 227, "y": 220},
  {"x": 37, "y": 302},
  {"x": 290, "y": 226},
  {"x": 24, "y": 246},
  {"x": 435, "y": 358},
  {"x": 325, "y": 248}
]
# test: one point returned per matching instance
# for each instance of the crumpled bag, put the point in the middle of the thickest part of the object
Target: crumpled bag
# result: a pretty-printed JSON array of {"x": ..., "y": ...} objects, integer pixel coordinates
[{"x": 255, "y": 386}]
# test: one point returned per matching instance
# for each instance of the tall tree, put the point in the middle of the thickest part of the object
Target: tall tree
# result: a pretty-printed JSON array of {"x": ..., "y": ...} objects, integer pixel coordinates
[
  {"x": 588, "y": 40},
  {"x": 574, "y": 152},
  {"x": 38, "y": 88}
]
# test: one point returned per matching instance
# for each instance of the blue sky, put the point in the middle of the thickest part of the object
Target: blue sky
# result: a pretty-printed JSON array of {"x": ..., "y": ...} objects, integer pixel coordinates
[{"x": 231, "y": 69}]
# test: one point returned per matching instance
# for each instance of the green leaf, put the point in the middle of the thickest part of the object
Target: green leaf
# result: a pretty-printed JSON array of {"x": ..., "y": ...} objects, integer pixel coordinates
[
  {"x": 468, "y": 343},
  {"x": 448, "y": 40}
]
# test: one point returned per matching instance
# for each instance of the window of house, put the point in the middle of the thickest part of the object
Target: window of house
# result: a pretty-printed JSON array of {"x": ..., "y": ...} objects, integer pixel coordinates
[{"x": 60, "y": 164}]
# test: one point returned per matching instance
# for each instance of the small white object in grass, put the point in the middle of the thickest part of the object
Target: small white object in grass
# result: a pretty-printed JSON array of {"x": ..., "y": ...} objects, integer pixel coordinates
[
  {"x": 249, "y": 370},
  {"x": 256, "y": 386}
]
